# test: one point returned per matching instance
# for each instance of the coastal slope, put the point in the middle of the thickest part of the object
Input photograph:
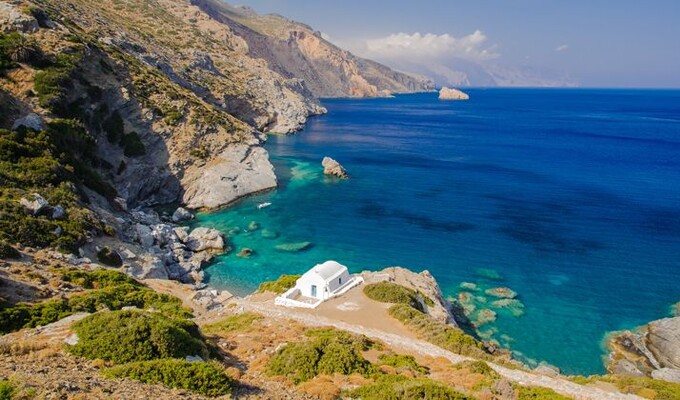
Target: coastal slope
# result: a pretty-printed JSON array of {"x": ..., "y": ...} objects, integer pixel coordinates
[{"x": 296, "y": 50}]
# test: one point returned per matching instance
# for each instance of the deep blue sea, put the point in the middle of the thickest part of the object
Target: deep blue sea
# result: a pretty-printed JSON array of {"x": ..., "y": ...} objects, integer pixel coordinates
[{"x": 569, "y": 197}]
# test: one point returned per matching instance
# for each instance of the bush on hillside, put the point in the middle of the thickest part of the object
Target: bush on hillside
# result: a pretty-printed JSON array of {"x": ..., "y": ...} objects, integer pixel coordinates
[
  {"x": 388, "y": 292},
  {"x": 128, "y": 336},
  {"x": 645, "y": 387},
  {"x": 402, "y": 362},
  {"x": 281, "y": 285},
  {"x": 537, "y": 393},
  {"x": 115, "y": 291},
  {"x": 114, "y": 128},
  {"x": 325, "y": 353},
  {"x": 7, "y": 251},
  {"x": 203, "y": 378},
  {"x": 398, "y": 387},
  {"x": 109, "y": 257},
  {"x": 51, "y": 84},
  {"x": 442, "y": 335},
  {"x": 132, "y": 145},
  {"x": 7, "y": 390}
]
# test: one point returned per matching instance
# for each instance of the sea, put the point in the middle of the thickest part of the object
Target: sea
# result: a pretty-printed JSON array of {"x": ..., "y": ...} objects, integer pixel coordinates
[{"x": 569, "y": 197}]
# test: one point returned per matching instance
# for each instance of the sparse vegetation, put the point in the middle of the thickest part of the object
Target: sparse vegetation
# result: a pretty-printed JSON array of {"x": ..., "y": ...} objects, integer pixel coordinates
[
  {"x": 398, "y": 387},
  {"x": 51, "y": 84},
  {"x": 234, "y": 323},
  {"x": 281, "y": 285},
  {"x": 114, "y": 290},
  {"x": 537, "y": 393},
  {"x": 203, "y": 378},
  {"x": 132, "y": 145},
  {"x": 388, "y": 292},
  {"x": 7, "y": 390},
  {"x": 326, "y": 352},
  {"x": 109, "y": 257},
  {"x": 128, "y": 336},
  {"x": 402, "y": 362},
  {"x": 644, "y": 387},
  {"x": 442, "y": 335}
]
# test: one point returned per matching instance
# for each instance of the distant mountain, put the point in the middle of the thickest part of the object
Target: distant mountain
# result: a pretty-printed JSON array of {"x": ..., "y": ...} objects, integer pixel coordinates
[{"x": 295, "y": 50}]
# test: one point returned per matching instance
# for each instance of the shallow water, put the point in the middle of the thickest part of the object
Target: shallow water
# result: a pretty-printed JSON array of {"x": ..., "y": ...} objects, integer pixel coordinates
[{"x": 571, "y": 196}]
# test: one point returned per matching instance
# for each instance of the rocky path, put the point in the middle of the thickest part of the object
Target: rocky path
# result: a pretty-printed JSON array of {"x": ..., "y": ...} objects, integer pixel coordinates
[{"x": 559, "y": 385}]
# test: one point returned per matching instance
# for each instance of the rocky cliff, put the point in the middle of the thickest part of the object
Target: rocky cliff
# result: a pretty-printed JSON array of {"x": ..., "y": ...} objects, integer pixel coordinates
[
  {"x": 295, "y": 50},
  {"x": 651, "y": 350}
]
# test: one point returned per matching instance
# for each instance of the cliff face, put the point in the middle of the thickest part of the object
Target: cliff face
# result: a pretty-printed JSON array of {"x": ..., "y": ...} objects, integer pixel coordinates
[
  {"x": 295, "y": 50},
  {"x": 165, "y": 74}
]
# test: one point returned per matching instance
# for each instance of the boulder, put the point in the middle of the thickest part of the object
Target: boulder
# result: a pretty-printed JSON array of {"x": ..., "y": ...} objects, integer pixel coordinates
[
  {"x": 332, "y": 167},
  {"x": 153, "y": 268},
  {"x": 201, "y": 239},
  {"x": 58, "y": 212},
  {"x": 182, "y": 214},
  {"x": 452, "y": 94},
  {"x": 163, "y": 234},
  {"x": 667, "y": 374},
  {"x": 181, "y": 232},
  {"x": 245, "y": 252},
  {"x": 30, "y": 121},
  {"x": 144, "y": 235},
  {"x": 35, "y": 206},
  {"x": 13, "y": 19}
]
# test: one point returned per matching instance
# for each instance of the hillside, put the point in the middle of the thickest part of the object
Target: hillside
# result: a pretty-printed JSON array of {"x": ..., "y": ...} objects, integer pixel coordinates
[{"x": 295, "y": 50}]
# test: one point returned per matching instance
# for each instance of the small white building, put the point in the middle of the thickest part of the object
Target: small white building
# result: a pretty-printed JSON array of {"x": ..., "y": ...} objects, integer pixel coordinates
[{"x": 320, "y": 283}]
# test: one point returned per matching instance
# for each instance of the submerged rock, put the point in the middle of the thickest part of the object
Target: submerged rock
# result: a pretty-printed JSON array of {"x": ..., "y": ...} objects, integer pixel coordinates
[
  {"x": 253, "y": 226},
  {"x": 245, "y": 252},
  {"x": 294, "y": 247},
  {"x": 483, "y": 317},
  {"x": 469, "y": 286},
  {"x": 502, "y": 292},
  {"x": 515, "y": 306},
  {"x": 489, "y": 274},
  {"x": 267, "y": 234},
  {"x": 332, "y": 167},
  {"x": 452, "y": 94}
]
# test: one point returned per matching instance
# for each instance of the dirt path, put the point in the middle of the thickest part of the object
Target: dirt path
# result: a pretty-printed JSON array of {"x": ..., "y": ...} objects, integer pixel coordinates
[{"x": 559, "y": 385}]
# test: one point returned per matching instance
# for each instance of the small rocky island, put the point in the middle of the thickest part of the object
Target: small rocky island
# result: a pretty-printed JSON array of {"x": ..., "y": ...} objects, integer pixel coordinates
[
  {"x": 452, "y": 94},
  {"x": 333, "y": 168}
]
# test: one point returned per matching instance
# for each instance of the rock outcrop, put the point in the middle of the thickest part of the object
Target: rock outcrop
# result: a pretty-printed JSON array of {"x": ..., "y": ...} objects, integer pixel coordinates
[
  {"x": 423, "y": 283},
  {"x": 651, "y": 350},
  {"x": 452, "y": 94},
  {"x": 332, "y": 167}
]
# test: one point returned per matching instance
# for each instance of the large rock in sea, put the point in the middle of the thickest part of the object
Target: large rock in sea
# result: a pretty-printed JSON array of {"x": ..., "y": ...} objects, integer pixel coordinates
[
  {"x": 181, "y": 214},
  {"x": 651, "y": 350},
  {"x": 452, "y": 94},
  {"x": 332, "y": 167},
  {"x": 201, "y": 239}
]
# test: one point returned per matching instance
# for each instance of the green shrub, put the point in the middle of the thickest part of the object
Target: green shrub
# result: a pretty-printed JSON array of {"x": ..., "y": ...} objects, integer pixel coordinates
[
  {"x": 324, "y": 353},
  {"x": 238, "y": 322},
  {"x": 97, "y": 279},
  {"x": 537, "y": 393},
  {"x": 7, "y": 251},
  {"x": 7, "y": 390},
  {"x": 398, "y": 387},
  {"x": 25, "y": 315},
  {"x": 114, "y": 128},
  {"x": 109, "y": 257},
  {"x": 401, "y": 362},
  {"x": 388, "y": 292},
  {"x": 281, "y": 285},
  {"x": 132, "y": 145},
  {"x": 52, "y": 83},
  {"x": 203, "y": 378},
  {"x": 479, "y": 367},
  {"x": 128, "y": 336},
  {"x": 442, "y": 335}
]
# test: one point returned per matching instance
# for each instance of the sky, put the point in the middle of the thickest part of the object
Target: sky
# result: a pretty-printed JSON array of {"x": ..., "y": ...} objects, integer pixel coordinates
[{"x": 597, "y": 43}]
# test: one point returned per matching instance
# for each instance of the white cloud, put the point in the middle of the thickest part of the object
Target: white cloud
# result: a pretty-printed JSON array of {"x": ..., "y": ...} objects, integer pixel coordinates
[
  {"x": 428, "y": 46},
  {"x": 561, "y": 47}
]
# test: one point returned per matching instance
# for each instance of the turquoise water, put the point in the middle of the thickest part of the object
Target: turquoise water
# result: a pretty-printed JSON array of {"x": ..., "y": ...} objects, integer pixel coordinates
[{"x": 571, "y": 196}]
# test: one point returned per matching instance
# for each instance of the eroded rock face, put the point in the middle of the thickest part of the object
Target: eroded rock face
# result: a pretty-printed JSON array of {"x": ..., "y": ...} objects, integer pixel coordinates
[
  {"x": 452, "y": 94},
  {"x": 13, "y": 19},
  {"x": 332, "y": 167},
  {"x": 238, "y": 171},
  {"x": 201, "y": 239},
  {"x": 30, "y": 121},
  {"x": 651, "y": 350}
]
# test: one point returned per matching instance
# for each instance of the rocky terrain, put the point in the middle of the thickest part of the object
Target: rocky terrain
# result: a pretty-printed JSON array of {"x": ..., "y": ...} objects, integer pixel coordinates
[
  {"x": 296, "y": 50},
  {"x": 651, "y": 350}
]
